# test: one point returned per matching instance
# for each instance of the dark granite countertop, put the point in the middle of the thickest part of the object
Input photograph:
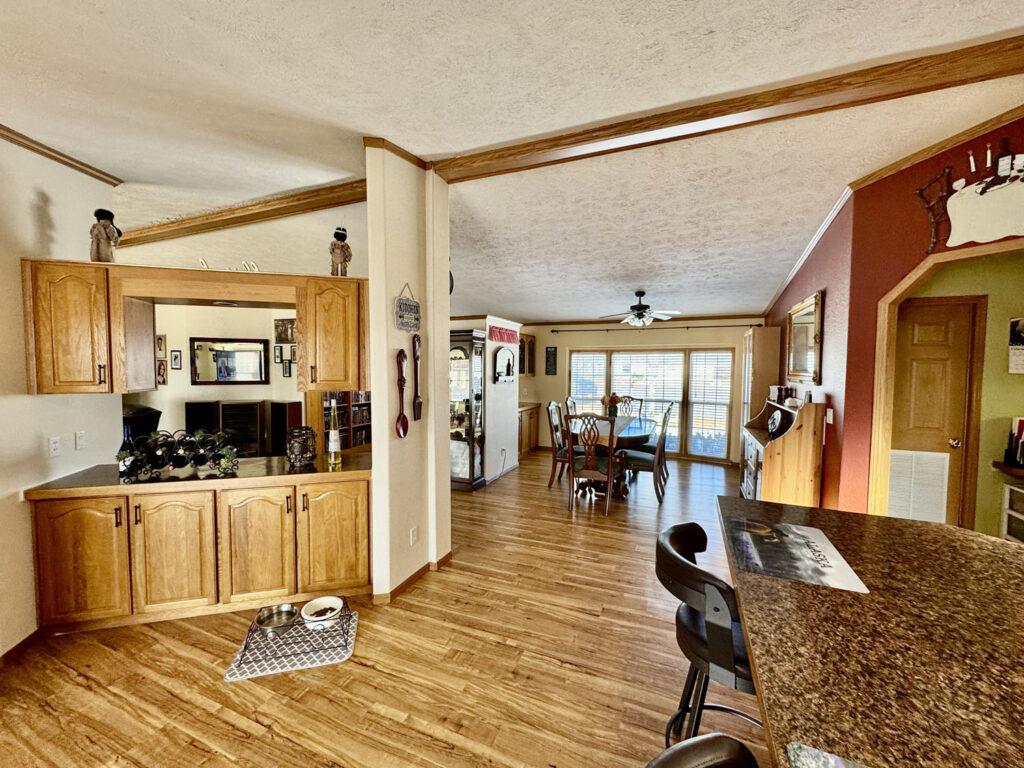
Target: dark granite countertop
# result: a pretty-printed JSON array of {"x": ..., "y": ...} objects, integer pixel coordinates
[
  {"x": 103, "y": 479},
  {"x": 925, "y": 670}
]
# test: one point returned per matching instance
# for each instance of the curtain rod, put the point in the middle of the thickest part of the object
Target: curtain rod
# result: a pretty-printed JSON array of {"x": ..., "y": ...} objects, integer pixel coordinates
[{"x": 654, "y": 328}]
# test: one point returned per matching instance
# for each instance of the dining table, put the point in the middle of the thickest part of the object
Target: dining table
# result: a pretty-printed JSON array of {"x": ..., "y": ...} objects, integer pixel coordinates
[
  {"x": 627, "y": 432},
  {"x": 922, "y": 664}
]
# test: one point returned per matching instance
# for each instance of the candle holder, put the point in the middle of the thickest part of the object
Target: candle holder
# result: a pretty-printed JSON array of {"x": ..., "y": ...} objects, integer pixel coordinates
[{"x": 301, "y": 447}]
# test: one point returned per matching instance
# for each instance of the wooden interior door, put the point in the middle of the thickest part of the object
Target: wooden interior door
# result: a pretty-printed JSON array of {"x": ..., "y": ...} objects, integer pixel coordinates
[
  {"x": 174, "y": 562},
  {"x": 328, "y": 321},
  {"x": 937, "y": 390},
  {"x": 334, "y": 538},
  {"x": 71, "y": 328},
  {"x": 82, "y": 559},
  {"x": 257, "y": 543}
]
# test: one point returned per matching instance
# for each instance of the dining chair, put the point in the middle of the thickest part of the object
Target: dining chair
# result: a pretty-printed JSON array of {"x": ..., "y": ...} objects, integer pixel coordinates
[
  {"x": 570, "y": 406},
  {"x": 708, "y": 628},
  {"x": 642, "y": 461},
  {"x": 593, "y": 461},
  {"x": 559, "y": 444},
  {"x": 715, "y": 750},
  {"x": 631, "y": 406},
  {"x": 651, "y": 447}
]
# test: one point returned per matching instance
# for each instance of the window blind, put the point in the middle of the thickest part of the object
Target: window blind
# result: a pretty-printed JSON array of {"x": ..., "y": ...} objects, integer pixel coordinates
[
  {"x": 587, "y": 377},
  {"x": 657, "y": 378},
  {"x": 710, "y": 392}
]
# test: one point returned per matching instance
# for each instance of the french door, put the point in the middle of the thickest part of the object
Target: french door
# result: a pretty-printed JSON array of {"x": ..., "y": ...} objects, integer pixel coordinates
[{"x": 697, "y": 383}]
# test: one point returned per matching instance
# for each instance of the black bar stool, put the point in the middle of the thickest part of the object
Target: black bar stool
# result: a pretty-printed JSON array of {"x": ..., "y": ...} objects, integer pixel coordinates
[
  {"x": 712, "y": 751},
  {"x": 708, "y": 628}
]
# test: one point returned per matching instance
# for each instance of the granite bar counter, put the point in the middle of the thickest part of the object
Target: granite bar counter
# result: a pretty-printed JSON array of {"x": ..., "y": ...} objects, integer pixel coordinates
[
  {"x": 102, "y": 479},
  {"x": 927, "y": 669}
]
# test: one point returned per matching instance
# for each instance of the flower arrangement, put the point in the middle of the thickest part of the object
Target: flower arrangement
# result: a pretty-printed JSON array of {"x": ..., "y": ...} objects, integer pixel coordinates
[{"x": 611, "y": 402}]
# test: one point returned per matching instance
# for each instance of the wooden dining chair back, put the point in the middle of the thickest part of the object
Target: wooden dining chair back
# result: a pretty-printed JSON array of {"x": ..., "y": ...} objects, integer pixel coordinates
[
  {"x": 570, "y": 406},
  {"x": 559, "y": 443},
  {"x": 644, "y": 461},
  {"x": 631, "y": 406},
  {"x": 592, "y": 456}
]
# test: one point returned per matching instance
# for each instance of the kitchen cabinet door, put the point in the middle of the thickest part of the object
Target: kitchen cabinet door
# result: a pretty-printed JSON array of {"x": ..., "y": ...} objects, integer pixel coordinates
[
  {"x": 70, "y": 328},
  {"x": 333, "y": 531},
  {"x": 174, "y": 562},
  {"x": 257, "y": 543},
  {"x": 82, "y": 559},
  {"x": 328, "y": 320}
]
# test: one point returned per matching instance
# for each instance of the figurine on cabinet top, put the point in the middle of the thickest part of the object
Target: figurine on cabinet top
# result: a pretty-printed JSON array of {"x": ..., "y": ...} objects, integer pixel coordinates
[
  {"x": 105, "y": 236},
  {"x": 341, "y": 253}
]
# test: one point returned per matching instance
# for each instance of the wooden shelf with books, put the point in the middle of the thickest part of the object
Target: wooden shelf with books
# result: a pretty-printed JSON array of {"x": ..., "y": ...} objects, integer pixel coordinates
[{"x": 353, "y": 418}]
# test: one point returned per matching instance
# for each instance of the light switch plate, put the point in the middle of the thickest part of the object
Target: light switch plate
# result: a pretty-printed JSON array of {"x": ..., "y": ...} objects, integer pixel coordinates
[
  {"x": 414, "y": 535},
  {"x": 53, "y": 446},
  {"x": 80, "y": 440},
  {"x": 829, "y": 416}
]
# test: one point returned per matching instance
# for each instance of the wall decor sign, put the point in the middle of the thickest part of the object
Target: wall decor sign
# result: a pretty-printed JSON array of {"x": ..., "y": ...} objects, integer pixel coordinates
[
  {"x": 503, "y": 335},
  {"x": 550, "y": 361},
  {"x": 986, "y": 204},
  {"x": 407, "y": 311},
  {"x": 1016, "y": 345}
]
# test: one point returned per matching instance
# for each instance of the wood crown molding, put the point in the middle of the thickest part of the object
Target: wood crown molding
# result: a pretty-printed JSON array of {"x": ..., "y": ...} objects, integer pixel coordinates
[
  {"x": 946, "y": 144},
  {"x": 379, "y": 143},
  {"x": 976, "y": 63},
  {"x": 50, "y": 153},
  {"x": 291, "y": 204}
]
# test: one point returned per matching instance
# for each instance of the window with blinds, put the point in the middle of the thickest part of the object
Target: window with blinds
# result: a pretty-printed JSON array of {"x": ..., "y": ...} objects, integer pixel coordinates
[
  {"x": 588, "y": 379},
  {"x": 657, "y": 379},
  {"x": 710, "y": 391}
]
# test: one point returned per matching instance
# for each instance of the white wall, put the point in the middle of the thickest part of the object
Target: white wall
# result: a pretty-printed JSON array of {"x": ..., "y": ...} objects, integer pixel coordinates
[
  {"x": 45, "y": 213},
  {"x": 180, "y": 322},
  {"x": 292, "y": 244},
  {"x": 702, "y": 334}
]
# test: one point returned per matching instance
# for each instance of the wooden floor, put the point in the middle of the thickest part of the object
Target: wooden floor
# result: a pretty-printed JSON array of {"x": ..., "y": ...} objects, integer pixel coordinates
[{"x": 548, "y": 641}]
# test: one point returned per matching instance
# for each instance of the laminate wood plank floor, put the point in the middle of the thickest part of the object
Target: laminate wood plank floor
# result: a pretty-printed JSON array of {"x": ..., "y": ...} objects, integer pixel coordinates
[{"x": 547, "y": 641}]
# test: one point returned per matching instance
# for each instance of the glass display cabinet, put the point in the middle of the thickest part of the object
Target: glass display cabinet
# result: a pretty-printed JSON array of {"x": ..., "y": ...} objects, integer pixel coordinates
[{"x": 466, "y": 408}]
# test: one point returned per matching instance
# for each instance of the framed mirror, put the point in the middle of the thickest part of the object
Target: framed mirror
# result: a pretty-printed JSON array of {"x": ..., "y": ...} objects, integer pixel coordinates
[
  {"x": 229, "y": 361},
  {"x": 803, "y": 341}
]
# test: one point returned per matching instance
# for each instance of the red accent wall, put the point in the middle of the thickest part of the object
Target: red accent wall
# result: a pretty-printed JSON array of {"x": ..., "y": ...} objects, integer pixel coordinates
[
  {"x": 827, "y": 269},
  {"x": 886, "y": 232}
]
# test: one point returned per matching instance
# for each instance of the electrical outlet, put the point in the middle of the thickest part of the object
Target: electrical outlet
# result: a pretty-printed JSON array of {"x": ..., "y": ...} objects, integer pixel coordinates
[
  {"x": 414, "y": 535},
  {"x": 80, "y": 440},
  {"x": 54, "y": 446},
  {"x": 829, "y": 416}
]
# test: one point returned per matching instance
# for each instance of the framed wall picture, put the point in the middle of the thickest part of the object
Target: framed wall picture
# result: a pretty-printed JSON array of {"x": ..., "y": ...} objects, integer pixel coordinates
[
  {"x": 161, "y": 372},
  {"x": 175, "y": 359},
  {"x": 278, "y": 353},
  {"x": 295, "y": 353},
  {"x": 161, "y": 346},
  {"x": 284, "y": 331},
  {"x": 286, "y": 369}
]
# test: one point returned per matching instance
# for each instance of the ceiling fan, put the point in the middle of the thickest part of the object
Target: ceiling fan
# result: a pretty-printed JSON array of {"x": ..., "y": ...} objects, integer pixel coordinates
[{"x": 641, "y": 315}]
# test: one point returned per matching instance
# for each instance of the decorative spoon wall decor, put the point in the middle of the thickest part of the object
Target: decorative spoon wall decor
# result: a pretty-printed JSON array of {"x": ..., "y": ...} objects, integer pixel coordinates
[
  {"x": 417, "y": 401},
  {"x": 402, "y": 425}
]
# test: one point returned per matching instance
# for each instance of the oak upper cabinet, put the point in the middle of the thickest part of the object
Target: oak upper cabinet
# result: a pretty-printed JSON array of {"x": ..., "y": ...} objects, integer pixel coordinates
[
  {"x": 329, "y": 324},
  {"x": 82, "y": 559},
  {"x": 333, "y": 530},
  {"x": 173, "y": 542},
  {"x": 257, "y": 543},
  {"x": 68, "y": 328}
]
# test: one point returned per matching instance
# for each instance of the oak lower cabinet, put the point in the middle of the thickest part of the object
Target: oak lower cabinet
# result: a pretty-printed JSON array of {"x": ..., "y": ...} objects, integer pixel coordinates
[
  {"x": 333, "y": 525},
  {"x": 174, "y": 558},
  {"x": 257, "y": 543},
  {"x": 82, "y": 559}
]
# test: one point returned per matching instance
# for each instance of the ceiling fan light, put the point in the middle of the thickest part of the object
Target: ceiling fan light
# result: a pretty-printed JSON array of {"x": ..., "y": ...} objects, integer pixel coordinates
[{"x": 647, "y": 320}]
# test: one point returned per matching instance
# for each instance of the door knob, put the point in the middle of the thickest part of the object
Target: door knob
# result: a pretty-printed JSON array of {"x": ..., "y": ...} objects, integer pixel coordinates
[{"x": 954, "y": 442}]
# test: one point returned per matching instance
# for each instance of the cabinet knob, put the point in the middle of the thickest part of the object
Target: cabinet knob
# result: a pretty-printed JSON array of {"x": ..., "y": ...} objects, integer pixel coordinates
[
  {"x": 138, "y": 514},
  {"x": 117, "y": 517},
  {"x": 312, "y": 373},
  {"x": 101, "y": 374},
  {"x": 287, "y": 505},
  {"x": 954, "y": 442},
  {"x": 305, "y": 502}
]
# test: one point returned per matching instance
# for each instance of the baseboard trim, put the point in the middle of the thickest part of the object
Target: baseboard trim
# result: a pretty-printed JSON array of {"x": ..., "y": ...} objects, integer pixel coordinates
[
  {"x": 13, "y": 652},
  {"x": 441, "y": 563},
  {"x": 386, "y": 597}
]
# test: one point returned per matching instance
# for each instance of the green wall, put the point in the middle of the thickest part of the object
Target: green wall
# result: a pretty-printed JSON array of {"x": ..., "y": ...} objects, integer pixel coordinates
[{"x": 1001, "y": 278}]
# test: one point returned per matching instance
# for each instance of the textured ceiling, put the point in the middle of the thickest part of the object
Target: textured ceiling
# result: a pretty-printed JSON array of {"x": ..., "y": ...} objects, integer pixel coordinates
[
  {"x": 707, "y": 226},
  {"x": 199, "y": 105}
]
